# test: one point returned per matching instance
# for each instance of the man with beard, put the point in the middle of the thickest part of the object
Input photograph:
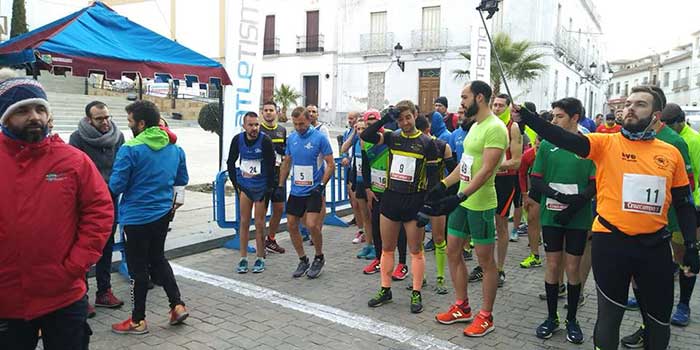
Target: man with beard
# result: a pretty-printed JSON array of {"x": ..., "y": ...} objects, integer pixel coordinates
[
  {"x": 251, "y": 164},
  {"x": 472, "y": 210},
  {"x": 639, "y": 177},
  {"x": 144, "y": 173},
  {"x": 55, "y": 217},
  {"x": 278, "y": 134},
  {"x": 100, "y": 139}
]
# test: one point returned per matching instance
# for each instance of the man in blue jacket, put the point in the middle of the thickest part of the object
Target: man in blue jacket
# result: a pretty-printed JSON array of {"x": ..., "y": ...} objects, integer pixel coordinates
[{"x": 144, "y": 173}]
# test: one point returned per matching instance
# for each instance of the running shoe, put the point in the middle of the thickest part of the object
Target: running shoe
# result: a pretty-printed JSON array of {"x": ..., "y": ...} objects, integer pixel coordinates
[
  {"x": 522, "y": 230},
  {"x": 581, "y": 302},
  {"x": 416, "y": 302},
  {"x": 471, "y": 244},
  {"x": 372, "y": 268},
  {"x": 480, "y": 327},
  {"x": 634, "y": 340},
  {"x": 476, "y": 275},
  {"x": 301, "y": 268},
  {"x": 108, "y": 300},
  {"x": 467, "y": 255},
  {"x": 440, "y": 286},
  {"x": 531, "y": 261},
  {"x": 382, "y": 297},
  {"x": 129, "y": 327},
  {"x": 178, "y": 314},
  {"x": 400, "y": 273},
  {"x": 632, "y": 304},
  {"x": 680, "y": 318},
  {"x": 352, "y": 222},
  {"x": 372, "y": 253},
  {"x": 359, "y": 238},
  {"x": 456, "y": 313},
  {"x": 242, "y": 266},
  {"x": 429, "y": 246},
  {"x": 259, "y": 266},
  {"x": 573, "y": 332},
  {"x": 513, "y": 235},
  {"x": 547, "y": 328},
  {"x": 316, "y": 267},
  {"x": 364, "y": 251},
  {"x": 272, "y": 246},
  {"x": 562, "y": 292},
  {"x": 501, "y": 278}
]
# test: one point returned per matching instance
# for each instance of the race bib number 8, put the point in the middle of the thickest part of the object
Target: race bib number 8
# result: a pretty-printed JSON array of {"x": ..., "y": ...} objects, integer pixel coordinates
[
  {"x": 250, "y": 167},
  {"x": 555, "y": 205},
  {"x": 403, "y": 168},
  {"x": 378, "y": 178},
  {"x": 644, "y": 194},
  {"x": 303, "y": 175},
  {"x": 465, "y": 167}
]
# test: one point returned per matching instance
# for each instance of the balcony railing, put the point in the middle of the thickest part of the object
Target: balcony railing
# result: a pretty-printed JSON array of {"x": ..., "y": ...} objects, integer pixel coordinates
[
  {"x": 376, "y": 43},
  {"x": 429, "y": 40},
  {"x": 271, "y": 46},
  {"x": 309, "y": 43},
  {"x": 680, "y": 84}
]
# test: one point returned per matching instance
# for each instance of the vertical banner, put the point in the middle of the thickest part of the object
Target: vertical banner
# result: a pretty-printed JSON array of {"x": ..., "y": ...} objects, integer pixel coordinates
[
  {"x": 480, "y": 65},
  {"x": 244, "y": 34}
]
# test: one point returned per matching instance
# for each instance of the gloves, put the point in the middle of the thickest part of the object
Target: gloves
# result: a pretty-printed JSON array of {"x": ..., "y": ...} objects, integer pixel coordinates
[
  {"x": 436, "y": 193},
  {"x": 319, "y": 191},
  {"x": 564, "y": 217},
  {"x": 690, "y": 259},
  {"x": 525, "y": 114},
  {"x": 449, "y": 203},
  {"x": 568, "y": 198},
  {"x": 423, "y": 216}
]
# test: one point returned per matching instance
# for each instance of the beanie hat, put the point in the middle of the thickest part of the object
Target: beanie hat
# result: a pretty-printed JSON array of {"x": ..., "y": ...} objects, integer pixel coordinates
[
  {"x": 19, "y": 92},
  {"x": 371, "y": 112},
  {"x": 442, "y": 100},
  {"x": 672, "y": 113}
]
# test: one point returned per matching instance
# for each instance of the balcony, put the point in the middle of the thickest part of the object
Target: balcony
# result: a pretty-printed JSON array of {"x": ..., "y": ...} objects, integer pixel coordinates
[
  {"x": 310, "y": 43},
  {"x": 376, "y": 43},
  {"x": 429, "y": 40},
  {"x": 271, "y": 46},
  {"x": 681, "y": 84}
]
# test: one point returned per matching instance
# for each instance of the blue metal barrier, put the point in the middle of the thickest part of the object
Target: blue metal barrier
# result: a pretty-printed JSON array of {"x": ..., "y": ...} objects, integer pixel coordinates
[
  {"x": 121, "y": 248},
  {"x": 339, "y": 196}
]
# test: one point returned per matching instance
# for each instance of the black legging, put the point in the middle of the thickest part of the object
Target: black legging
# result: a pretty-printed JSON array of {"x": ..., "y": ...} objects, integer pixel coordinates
[
  {"x": 616, "y": 258},
  {"x": 377, "y": 237}
]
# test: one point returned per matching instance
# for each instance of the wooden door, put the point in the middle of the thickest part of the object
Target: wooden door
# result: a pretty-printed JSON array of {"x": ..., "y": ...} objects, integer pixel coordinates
[
  {"x": 268, "y": 86},
  {"x": 269, "y": 41},
  {"x": 428, "y": 89},
  {"x": 311, "y": 90}
]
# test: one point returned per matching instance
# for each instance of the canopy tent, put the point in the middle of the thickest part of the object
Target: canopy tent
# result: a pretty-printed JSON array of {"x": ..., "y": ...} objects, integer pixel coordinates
[{"x": 98, "y": 39}]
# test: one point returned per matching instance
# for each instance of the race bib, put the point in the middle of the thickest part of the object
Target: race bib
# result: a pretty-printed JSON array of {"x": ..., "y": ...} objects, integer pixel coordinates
[
  {"x": 644, "y": 194},
  {"x": 465, "y": 167},
  {"x": 303, "y": 175},
  {"x": 358, "y": 165},
  {"x": 378, "y": 178},
  {"x": 555, "y": 205},
  {"x": 402, "y": 168},
  {"x": 250, "y": 167},
  {"x": 278, "y": 159}
]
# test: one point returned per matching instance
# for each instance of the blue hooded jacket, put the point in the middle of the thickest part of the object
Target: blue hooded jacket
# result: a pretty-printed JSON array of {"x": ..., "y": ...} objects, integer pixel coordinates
[{"x": 438, "y": 128}]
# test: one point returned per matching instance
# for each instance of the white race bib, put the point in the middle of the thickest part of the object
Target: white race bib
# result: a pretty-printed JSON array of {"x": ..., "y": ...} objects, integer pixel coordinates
[
  {"x": 555, "y": 205},
  {"x": 402, "y": 168},
  {"x": 278, "y": 159},
  {"x": 644, "y": 194},
  {"x": 303, "y": 175},
  {"x": 378, "y": 178},
  {"x": 358, "y": 165},
  {"x": 250, "y": 167},
  {"x": 465, "y": 167}
]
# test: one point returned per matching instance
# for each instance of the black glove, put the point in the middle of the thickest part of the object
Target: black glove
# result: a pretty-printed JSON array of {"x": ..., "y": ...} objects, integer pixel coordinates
[
  {"x": 691, "y": 259},
  {"x": 448, "y": 204},
  {"x": 423, "y": 216},
  {"x": 526, "y": 114},
  {"x": 564, "y": 217},
  {"x": 568, "y": 198},
  {"x": 436, "y": 193},
  {"x": 319, "y": 190}
]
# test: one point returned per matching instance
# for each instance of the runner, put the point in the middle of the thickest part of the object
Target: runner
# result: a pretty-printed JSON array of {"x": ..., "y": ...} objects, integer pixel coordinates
[
  {"x": 532, "y": 206},
  {"x": 472, "y": 209},
  {"x": 309, "y": 180},
  {"x": 457, "y": 145},
  {"x": 346, "y": 162},
  {"x": 609, "y": 126},
  {"x": 278, "y": 134},
  {"x": 375, "y": 162},
  {"x": 251, "y": 165},
  {"x": 567, "y": 186},
  {"x": 639, "y": 177},
  {"x": 409, "y": 153},
  {"x": 444, "y": 162}
]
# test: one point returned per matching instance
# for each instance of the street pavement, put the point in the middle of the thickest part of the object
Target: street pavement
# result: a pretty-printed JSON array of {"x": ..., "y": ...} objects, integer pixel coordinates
[{"x": 274, "y": 311}]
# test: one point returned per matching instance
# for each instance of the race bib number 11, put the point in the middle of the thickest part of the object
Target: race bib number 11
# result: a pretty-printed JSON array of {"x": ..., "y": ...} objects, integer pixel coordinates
[{"x": 644, "y": 194}]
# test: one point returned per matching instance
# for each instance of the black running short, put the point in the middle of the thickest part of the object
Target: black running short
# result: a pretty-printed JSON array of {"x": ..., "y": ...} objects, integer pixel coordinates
[
  {"x": 279, "y": 195},
  {"x": 359, "y": 189},
  {"x": 297, "y": 206},
  {"x": 402, "y": 207},
  {"x": 554, "y": 238},
  {"x": 505, "y": 192}
]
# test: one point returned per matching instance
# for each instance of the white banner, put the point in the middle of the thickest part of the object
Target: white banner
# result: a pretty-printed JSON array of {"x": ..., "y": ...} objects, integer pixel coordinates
[
  {"x": 245, "y": 28},
  {"x": 480, "y": 65}
]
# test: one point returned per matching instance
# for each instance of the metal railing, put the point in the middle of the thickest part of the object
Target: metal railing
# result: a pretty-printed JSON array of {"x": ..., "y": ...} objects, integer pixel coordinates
[
  {"x": 681, "y": 83},
  {"x": 377, "y": 43},
  {"x": 271, "y": 46},
  {"x": 427, "y": 40},
  {"x": 310, "y": 43}
]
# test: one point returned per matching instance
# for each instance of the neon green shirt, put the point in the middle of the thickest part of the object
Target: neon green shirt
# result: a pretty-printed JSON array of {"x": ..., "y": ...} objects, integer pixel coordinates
[{"x": 692, "y": 138}]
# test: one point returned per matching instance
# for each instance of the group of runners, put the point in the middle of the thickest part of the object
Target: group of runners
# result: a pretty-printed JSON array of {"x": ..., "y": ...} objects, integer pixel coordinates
[{"x": 613, "y": 200}]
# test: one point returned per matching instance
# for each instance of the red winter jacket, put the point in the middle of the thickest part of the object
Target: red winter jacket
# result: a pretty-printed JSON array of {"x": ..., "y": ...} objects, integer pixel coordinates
[{"x": 55, "y": 217}]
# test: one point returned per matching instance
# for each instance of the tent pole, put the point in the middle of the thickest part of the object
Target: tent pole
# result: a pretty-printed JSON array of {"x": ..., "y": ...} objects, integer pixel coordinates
[
  {"x": 140, "y": 87},
  {"x": 221, "y": 123},
  {"x": 34, "y": 70}
]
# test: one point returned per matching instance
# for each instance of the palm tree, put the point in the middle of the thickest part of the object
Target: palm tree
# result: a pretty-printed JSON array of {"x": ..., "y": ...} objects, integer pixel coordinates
[
  {"x": 519, "y": 63},
  {"x": 285, "y": 96}
]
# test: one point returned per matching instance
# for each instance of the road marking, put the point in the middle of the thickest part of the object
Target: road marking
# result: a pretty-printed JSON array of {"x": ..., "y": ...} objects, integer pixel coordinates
[{"x": 356, "y": 321}]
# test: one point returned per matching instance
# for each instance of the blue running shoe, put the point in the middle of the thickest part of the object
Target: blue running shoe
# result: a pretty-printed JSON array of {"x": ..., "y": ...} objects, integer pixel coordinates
[
  {"x": 681, "y": 317},
  {"x": 372, "y": 253},
  {"x": 429, "y": 246},
  {"x": 242, "y": 266},
  {"x": 573, "y": 332},
  {"x": 259, "y": 266},
  {"x": 364, "y": 251}
]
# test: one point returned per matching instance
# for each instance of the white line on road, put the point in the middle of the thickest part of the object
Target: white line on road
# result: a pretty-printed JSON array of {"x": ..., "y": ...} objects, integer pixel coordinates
[{"x": 345, "y": 318}]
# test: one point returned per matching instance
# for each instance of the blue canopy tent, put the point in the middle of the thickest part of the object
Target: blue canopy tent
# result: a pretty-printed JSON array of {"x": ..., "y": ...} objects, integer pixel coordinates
[{"x": 98, "y": 39}]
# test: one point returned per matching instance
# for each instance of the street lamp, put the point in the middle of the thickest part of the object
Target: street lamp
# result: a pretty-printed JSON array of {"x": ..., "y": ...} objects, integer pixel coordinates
[{"x": 398, "y": 50}]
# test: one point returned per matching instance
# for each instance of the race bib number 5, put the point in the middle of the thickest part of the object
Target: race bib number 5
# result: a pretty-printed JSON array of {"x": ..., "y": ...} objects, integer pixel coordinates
[
  {"x": 402, "y": 168},
  {"x": 644, "y": 194},
  {"x": 303, "y": 175},
  {"x": 465, "y": 167},
  {"x": 250, "y": 167}
]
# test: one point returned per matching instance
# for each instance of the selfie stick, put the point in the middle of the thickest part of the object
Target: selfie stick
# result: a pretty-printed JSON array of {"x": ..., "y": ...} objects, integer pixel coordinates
[{"x": 498, "y": 60}]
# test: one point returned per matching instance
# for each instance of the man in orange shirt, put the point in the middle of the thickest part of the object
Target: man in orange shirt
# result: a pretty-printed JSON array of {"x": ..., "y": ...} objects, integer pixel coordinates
[
  {"x": 638, "y": 179},
  {"x": 609, "y": 127}
]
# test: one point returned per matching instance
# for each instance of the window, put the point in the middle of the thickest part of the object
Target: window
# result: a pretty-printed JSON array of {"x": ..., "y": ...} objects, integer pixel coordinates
[
  {"x": 268, "y": 88},
  {"x": 645, "y": 81},
  {"x": 566, "y": 88},
  {"x": 312, "y": 32},
  {"x": 653, "y": 80},
  {"x": 269, "y": 43},
  {"x": 667, "y": 77},
  {"x": 556, "y": 85},
  {"x": 431, "y": 27},
  {"x": 610, "y": 90},
  {"x": 617, "y": 88},
  {"x": 377, "y": 25},
  {"x": 627, "y": 88}
]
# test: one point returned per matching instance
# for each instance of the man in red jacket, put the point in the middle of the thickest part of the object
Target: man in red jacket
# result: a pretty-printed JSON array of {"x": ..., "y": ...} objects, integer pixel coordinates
[{"x": 55, "y": 217}]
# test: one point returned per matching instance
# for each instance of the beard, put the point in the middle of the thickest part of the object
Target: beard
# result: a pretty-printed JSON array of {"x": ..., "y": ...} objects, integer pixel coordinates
[
  {"x": 639, "y": 125},
  {"x": 135, "y": 131},
  {"x": 31, "y": 133},
  {"x": 471, "y": 110}
]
